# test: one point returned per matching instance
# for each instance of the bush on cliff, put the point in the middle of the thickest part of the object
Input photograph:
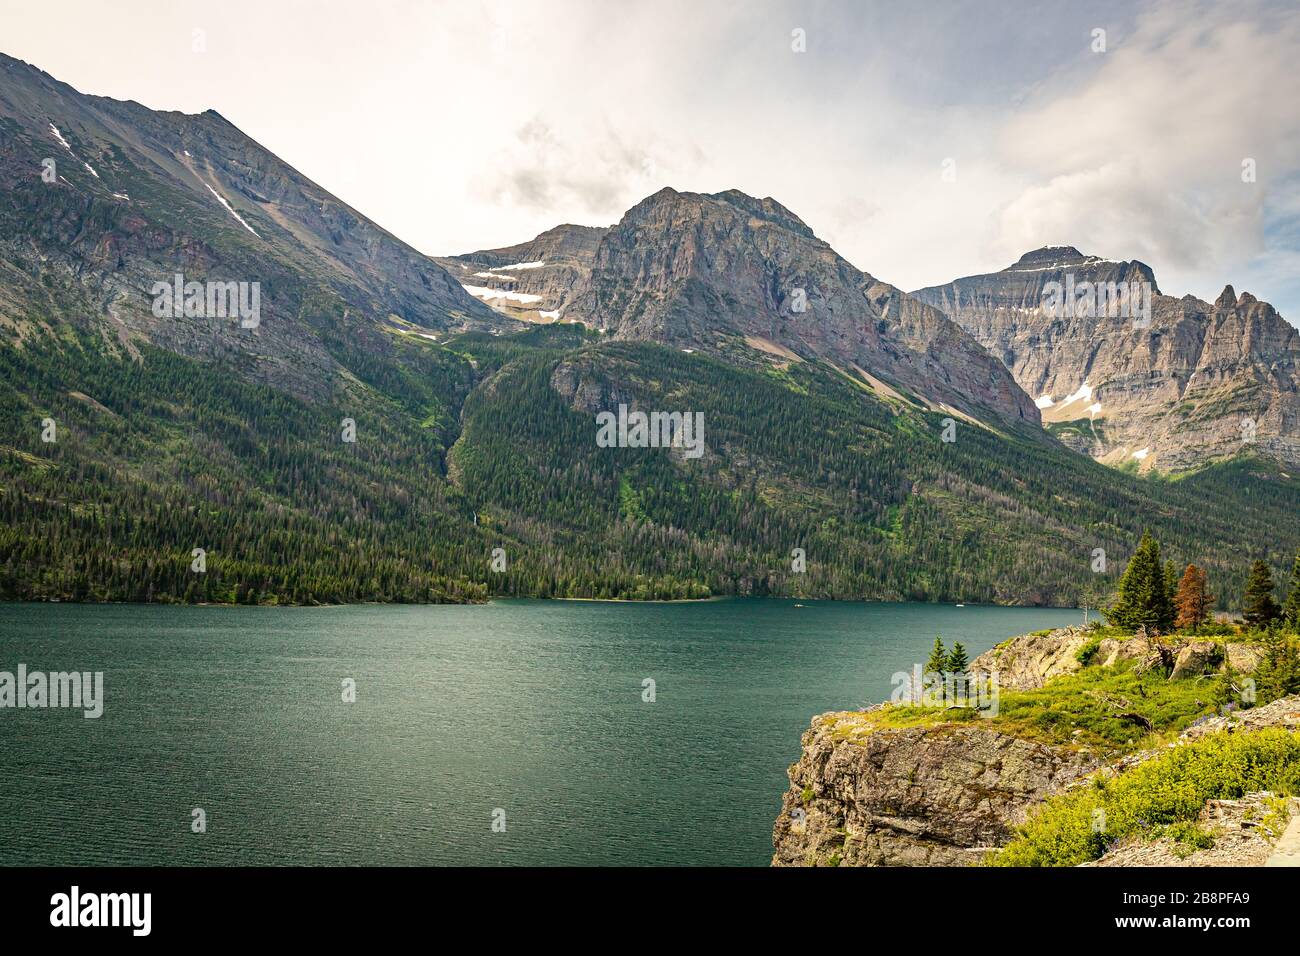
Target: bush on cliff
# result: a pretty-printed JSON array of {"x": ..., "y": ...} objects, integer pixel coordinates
[{"x": 1161, "y": 797}]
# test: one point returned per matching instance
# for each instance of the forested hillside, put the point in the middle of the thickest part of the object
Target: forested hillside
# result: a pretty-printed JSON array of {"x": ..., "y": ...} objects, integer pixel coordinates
[{"x": 485, "y": 442}]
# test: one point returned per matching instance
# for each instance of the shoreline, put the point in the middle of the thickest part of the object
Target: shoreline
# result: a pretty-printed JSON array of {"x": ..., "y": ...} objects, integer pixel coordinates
[{"x": 524, "y": 597}]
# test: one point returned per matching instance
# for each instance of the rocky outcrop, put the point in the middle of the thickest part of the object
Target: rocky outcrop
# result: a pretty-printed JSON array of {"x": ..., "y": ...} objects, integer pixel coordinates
[
  {"x": 1031, "y": 660},
  {"x": 1196, "y": 658},
  {"x": 1197, "y": 381},
  {"x": 1280, "y": 713},
  {"x": 866, "y": 796},
  {"x": 865, "y": 792}
]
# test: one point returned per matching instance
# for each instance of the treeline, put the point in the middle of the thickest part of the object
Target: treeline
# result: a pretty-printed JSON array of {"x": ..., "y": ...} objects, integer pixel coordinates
[{"x": 1153, "y": 595}]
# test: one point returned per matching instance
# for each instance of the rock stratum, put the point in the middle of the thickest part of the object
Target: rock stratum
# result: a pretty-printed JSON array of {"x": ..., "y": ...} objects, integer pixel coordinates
[
  {"x": 1201, "y": 381},
  {"x": 912, "y": 796}
]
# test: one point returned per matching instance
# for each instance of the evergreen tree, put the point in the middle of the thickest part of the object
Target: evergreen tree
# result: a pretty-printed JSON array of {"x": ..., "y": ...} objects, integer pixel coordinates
[
  {"x": 938, "y": 662},
  {"x": 1143, "y": 596},
  {"x": 1193, "y": 600},
  {"x": 1278, "y": 673},
  {"x": 958, "y": 661},
  {"x": 1171, "y": 583},
  {"x": 1227, "y": 688},
  {"x": 1257, "y": 604},
  {"x": 1291, "y": 611}
]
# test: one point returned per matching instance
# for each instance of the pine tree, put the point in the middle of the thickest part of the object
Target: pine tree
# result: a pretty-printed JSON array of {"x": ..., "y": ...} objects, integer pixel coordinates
[
  {"x": 938, "y": 666},
  {"x": 958, "y": 660},
  {"x": 938, "y": 662},
  {"x": 1291, "y": 611},
  {"x": 1143, "y": 596},
  {"x": 1192, "y": 600},
  {"x": 1257, "y": 604},
  {"x": 1278, "y": 673}
]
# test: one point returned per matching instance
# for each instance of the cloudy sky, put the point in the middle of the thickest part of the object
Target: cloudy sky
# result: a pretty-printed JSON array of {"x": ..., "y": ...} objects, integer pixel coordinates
[{"x": 478, "y": 123}]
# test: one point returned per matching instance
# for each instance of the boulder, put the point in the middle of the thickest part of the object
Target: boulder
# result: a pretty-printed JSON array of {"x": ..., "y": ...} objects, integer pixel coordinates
[{"x": 1196, "y": 659}]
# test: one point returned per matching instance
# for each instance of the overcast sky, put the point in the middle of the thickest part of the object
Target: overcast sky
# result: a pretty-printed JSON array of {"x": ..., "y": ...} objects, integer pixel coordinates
[{"x": 465, "y": 125}]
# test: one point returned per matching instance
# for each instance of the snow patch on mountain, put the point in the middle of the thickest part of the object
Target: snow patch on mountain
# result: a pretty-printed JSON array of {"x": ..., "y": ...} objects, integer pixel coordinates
[
  {"x": 59, "y": 136},
  {"x": 1084, "y": 392},
  {"x": 230, "y": 209},
  {"x": 484, "y": 293}
]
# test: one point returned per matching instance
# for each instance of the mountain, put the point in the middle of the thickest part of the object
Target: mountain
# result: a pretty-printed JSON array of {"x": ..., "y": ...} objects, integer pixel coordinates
[
  {"x": 137, "y": 196},
  {"x": 1202, "y": 381},
  {"x": 745, "y": 278},
  {"x": 533, "y": 281},
  {"x": 381, "y": 434}
]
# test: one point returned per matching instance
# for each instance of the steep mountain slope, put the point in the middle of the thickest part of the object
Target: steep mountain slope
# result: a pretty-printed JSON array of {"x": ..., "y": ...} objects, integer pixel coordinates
[
  {"x": 803, "y": 457},
  {"x": 728, "y": 273},
  {"x": 533, "y": 281},
  {"x": 1201, "y": 381},
  {"x": 744, "y": 278},
  {"x": 130, "y": 197}
]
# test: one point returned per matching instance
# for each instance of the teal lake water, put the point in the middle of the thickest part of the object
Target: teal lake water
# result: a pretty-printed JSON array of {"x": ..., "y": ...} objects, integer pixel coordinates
[{"x": 532, "y": 707}]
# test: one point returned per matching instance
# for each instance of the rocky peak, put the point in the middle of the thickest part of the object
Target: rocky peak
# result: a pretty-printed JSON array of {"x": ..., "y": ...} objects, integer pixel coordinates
[
  {"x": 1049, "y": 256},
  {"x": 532, "y": 281},
  {"x": 1167, "y": 390},
  {"x": 143, "y": 194},
  {"x": 731, "y": 273}
]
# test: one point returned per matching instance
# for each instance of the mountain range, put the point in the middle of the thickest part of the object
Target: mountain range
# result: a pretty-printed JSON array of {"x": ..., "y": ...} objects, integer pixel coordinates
[
  {"x": 398, "y": 427},
  {"x": 1193, "y": 382}
]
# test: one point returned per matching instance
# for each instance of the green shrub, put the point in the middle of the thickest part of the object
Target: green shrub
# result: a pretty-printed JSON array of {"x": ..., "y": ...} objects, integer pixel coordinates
[
  {"x": 1163, "y": 797},
  {"x": 1088, "y": 651}
]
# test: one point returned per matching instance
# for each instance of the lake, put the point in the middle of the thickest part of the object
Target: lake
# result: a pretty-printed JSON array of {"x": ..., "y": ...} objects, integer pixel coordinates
[{"x": 533, "y": 708}]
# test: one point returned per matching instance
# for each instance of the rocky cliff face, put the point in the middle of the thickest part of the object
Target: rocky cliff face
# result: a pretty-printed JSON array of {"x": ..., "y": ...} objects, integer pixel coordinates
[
  {"x": 533, "y": 281},
  {"x": 1200, "y": 381},
  {"x": 718, "y": 272},
  {"x": 913, "y": 796},
  {"x": 865, "y": 793}
]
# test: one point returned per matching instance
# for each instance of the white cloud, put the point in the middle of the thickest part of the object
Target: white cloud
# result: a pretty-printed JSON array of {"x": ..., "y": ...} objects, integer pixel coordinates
[{"x": 1143, "y": 158}]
